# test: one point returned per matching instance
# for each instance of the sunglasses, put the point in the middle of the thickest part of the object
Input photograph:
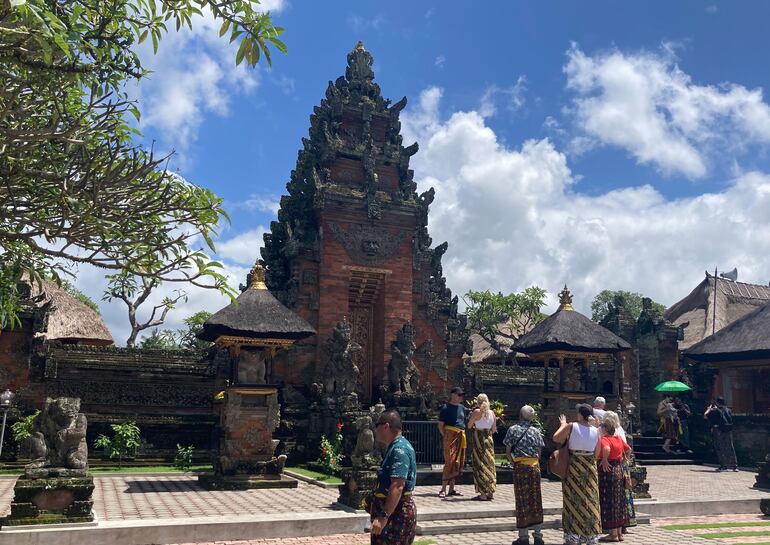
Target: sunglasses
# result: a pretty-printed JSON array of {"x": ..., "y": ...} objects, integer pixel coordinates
[{"x": 379, "y": 424}]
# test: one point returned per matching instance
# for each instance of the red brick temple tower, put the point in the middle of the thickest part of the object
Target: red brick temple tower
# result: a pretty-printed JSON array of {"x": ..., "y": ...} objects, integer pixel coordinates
[{"x": 351, "y": 243}]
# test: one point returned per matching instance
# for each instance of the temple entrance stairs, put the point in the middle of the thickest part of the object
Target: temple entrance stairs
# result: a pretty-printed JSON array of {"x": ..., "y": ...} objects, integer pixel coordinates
[
  {"x": 649, "y": 452},
  {"x": 456, "y": 519}
]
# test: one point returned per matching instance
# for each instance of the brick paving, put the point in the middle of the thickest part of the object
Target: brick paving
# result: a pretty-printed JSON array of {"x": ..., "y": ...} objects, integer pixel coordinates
[{"x": 127, "y": 497}]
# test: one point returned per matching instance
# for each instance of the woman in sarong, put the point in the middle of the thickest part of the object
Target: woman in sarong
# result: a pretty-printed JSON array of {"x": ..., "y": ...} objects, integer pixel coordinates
[
  {"x": 627, "y": 462},
  {"x": 483, "y": 426},
  {"x": 669, "y": 423},
  {"x": 612, "y": 482},
  {"x": 581, "y": 515}
]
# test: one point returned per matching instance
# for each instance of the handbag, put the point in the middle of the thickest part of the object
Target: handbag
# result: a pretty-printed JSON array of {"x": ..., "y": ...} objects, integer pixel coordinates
[{"x": 559, "y": 459}]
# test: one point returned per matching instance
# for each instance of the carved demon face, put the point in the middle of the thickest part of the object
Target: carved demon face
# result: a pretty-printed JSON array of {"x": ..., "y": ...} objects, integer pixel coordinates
[{"x": 370, "y": 247}]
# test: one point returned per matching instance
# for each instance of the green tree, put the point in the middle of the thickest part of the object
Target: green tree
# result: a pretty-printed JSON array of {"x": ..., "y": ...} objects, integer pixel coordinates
[
  {"x": 160, "y": 339},
  {"x": 76, "y": 187},
  {"x": 67, "y": 286},
  {"x": 494, "y": 315},
  {"x": 125, "y": 440},
  {"x": 187, "y": 337},
  {"x": 632, "y": 302}
]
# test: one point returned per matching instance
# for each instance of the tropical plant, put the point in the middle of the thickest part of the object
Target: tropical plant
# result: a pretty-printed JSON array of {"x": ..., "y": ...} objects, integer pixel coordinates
[
  {"x": 184, "y": 457},
  {"x": 331, "y": 452},
  {"x": 494, "y": 315},
  {"x": 24, "y": 427},
  {"x": 160, "y": 339},
  {"x": 77, "y": 188},
  {"x": 124, "y": 441}
]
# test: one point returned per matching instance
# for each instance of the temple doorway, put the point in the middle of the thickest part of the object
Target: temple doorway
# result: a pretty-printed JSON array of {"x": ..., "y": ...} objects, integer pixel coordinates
[{"x": 364, "y": 300}]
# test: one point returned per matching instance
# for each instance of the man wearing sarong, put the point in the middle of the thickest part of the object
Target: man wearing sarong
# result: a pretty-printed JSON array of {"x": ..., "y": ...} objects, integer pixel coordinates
[
  {"x": 451, "y": 426},
  {"x": 523, "y": 445},
  {"x": 391, "y": 507},
  {"x": 720, "y": 418}
]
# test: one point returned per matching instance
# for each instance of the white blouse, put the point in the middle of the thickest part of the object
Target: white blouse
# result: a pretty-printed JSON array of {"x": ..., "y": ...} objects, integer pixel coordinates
[
  {"x": 485, "y": 423},
  {"x": 583, "y": 438}
]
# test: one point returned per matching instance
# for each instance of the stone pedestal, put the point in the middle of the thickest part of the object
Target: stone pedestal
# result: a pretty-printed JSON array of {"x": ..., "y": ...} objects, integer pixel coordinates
[
  {"x": 52, "y": 500},
  {"x": 358, "y": 483},
  {"x": 763, "y": 476},
  {"x": 246, "y": 457}
]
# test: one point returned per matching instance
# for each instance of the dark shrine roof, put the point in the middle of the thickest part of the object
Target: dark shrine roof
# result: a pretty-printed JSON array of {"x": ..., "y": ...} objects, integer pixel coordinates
[
  {"x": 745, "y": 338},
  {"x": 256, "y": 314},
  {"x": 567, "y": 329}
]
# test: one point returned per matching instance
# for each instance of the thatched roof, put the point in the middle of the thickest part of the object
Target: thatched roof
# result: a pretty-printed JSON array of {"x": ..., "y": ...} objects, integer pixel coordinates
[
  {"x": 68, "y": 319},
  {"x": 483, "y": 351},
  {"x": 733, "y": 301},
  {"x": 746, "y": 338},
  {"x": 256, "y": 314},
  {"x": 567, "y": 329}
]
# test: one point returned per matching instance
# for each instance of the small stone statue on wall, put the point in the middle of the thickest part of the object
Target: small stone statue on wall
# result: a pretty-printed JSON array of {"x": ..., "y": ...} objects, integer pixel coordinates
[
  {"x": 341, "y": 372},
  {"x": 59, "y": 437},
  {"x": 402, "y": 372}
]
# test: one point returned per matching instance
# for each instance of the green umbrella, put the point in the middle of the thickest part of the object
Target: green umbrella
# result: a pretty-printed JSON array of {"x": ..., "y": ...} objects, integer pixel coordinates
[{"x": 672, "y": 386}]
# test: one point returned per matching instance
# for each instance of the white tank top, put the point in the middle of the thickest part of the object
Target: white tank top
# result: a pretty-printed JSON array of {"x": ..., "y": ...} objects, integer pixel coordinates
[
  {"x": 583, "y": 438},
  {"x": 485, "y": 423}
]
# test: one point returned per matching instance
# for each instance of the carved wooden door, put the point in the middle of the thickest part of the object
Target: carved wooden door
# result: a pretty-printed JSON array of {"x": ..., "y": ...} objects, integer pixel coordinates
[{"x": 361, "y": 325}]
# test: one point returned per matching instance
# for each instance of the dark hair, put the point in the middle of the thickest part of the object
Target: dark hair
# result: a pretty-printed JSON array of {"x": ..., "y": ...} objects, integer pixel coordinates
[
  {"x": 457, "y": 390},
  {"x": 392, "y": 418},
  {"x": 720, "y": 400},
  {"x": 584, "y": 410}
]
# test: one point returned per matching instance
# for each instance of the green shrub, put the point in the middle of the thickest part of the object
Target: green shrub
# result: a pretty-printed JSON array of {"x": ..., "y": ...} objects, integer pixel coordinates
[
  {"x": 183, "y": 458},
  {"x": 124, "y": 441},
  {"x": 23, "y": 428},
  {"x": 331, "y": 452}
]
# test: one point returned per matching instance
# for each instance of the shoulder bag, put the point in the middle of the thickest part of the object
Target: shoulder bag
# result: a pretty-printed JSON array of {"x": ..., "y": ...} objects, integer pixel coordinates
[{"x": 559, "y": 459}]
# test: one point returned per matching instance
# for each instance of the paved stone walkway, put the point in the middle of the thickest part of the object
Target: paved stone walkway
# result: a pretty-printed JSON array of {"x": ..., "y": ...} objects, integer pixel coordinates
[{"x": 126, "y": 497}]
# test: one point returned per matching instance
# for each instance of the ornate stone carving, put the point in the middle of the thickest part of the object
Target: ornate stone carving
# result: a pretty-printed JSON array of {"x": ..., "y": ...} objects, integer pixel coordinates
[
  {"x": 132, "y": 393},
  {"x": 58, "y": 441},
  {"x": 340, "y": 375},
  {"x": 403, "y": 375},
  {"x": 366, "y": 244}
]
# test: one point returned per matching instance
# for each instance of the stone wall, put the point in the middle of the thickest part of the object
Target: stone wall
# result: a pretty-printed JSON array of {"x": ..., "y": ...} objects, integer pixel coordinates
[{"x": 751, "y": 436}]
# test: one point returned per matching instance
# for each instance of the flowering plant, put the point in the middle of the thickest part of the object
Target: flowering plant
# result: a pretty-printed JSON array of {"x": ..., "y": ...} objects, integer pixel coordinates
[{"x": 331, "y": 452}]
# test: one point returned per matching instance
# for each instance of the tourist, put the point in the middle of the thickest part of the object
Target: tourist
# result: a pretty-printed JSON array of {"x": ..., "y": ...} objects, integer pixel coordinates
[
  {"x": 581, "y": 515},
  {"x": 720, "y": 418},
  {"x": 483, "y": 426},
  {"x": 599, "y": 412},
  {"x": 523, "y": 445},
  {"x": 392, "y": 509},
  {"x": 684, "y": 413},
  {"x": 626, "y": 463},
  {"x": 451, "y": 426},
  {"x": 669, "y": 422},
  {"x": 612, "y": 481}
]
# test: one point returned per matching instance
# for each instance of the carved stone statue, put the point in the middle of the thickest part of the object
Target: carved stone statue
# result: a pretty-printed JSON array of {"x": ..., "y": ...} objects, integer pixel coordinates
[
  {"x": 341, "y": 373},
  {"x": 402, "y": 372},
  {"x": 59, "y": 437},
  {"x": 362, "y": 455}
]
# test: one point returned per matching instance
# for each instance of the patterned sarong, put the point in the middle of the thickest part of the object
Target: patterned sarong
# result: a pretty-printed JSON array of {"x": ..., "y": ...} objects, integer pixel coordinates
[
  {"x": 581, "y": 515},
  {"x": 526, "y": 489},
  {"x": 723, "y": 445},
  {"x": 669, "y": 428},
  {"x": 484, "y": 469},
  {"x": 629, "y": 496},
  {"x": 455, "y": 444},
  {"x": 402, "y": 524},
  {"x": 612, "y": 497}
]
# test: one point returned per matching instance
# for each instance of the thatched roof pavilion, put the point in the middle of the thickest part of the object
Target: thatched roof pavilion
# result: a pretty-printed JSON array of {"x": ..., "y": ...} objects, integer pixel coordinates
[
  {"x": 257, "y": 315},
  {"x": 567, "y": 329},
  {"x": 747, "y": 338},
  {"x": 68, "y": 320}
]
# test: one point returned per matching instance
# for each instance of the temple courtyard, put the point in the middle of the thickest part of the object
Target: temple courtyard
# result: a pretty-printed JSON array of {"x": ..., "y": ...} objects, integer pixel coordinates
[{"x": 173, "y": 508}]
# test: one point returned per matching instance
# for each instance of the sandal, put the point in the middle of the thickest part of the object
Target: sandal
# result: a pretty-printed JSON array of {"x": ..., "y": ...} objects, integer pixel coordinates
[
  {"x": 479, "y": 498},
  {"x": 454, "y": 493},
  {"x": 608, "y": 539},
  {"x": 442, "y": 494}
]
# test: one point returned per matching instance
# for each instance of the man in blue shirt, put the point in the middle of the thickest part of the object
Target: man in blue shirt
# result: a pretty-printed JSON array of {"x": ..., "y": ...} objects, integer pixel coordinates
[
  {"x": 392, "y": 510},
  {"x": 451, "y": 425}
]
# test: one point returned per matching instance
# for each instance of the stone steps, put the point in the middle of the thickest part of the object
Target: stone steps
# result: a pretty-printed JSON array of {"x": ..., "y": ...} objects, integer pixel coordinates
[{"x": 478, "y": 525}]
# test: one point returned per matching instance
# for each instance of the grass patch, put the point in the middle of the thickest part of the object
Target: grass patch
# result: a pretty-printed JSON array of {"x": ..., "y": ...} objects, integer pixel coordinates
[
  {"x": 721, "y": 535},
  {"x": 707, "y": 526},
  {"x": 323, "y": 477}
]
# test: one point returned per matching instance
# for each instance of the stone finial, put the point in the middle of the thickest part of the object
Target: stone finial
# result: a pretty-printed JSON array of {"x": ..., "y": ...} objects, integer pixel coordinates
[
  {"x": 565, "y": 299},
  {"x": 360, "y": 46},
  {"x": 257, "y": 277}
]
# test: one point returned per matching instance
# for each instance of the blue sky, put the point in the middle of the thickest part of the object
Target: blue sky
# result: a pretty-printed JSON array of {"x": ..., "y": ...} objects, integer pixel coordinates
[{"x": 602, "y": 144}]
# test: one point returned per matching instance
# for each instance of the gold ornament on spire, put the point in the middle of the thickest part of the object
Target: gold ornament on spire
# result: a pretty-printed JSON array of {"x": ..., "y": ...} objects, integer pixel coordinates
[
  {"x": 257, "y": 277},
  {"x": 565, "y": 299}
]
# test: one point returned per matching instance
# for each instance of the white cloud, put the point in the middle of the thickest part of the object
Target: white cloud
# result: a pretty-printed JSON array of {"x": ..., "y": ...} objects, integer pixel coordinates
[
  {"x": 440, "y": 61},
  {"x": 242, "y": 248},
  {"x": 514, "y": 218},
  {"x": 361, "y": 24},
  {"x": 645, "y": 104},
  {"x": 511, "y": 97},
  {"x": 711, "y": 9},
  {"x": 194, "y": 74},
  {"x": 261, "y": 203}
]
